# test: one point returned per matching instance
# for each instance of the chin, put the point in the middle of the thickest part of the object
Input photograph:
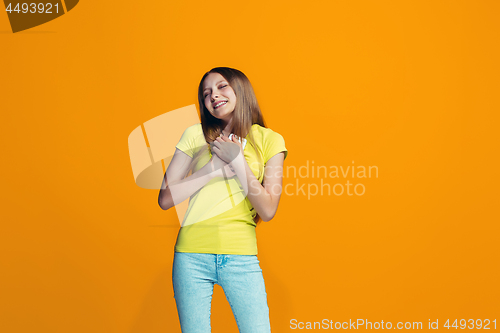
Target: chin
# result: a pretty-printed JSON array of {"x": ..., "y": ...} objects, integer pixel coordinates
[{"x": 221, "y": 116}]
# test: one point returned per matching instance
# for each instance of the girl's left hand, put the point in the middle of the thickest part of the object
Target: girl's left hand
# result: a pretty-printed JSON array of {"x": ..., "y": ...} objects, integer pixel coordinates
[{"x": 226, "y": 149}]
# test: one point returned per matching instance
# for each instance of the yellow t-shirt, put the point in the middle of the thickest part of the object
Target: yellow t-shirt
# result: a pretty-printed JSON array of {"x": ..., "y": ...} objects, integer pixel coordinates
[{"x": 220, "y": 218}]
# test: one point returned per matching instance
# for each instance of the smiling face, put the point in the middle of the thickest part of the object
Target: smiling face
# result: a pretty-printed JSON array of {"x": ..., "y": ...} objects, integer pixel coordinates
[{"x": 219, "y": 97}]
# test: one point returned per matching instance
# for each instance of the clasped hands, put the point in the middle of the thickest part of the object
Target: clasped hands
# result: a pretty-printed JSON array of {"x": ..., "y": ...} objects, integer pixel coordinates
[{"x": 224, "y": 152}]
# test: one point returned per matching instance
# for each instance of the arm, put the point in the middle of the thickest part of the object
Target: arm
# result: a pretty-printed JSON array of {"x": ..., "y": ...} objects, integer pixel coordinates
[
  {"x": 264, "y": 197},
  {"x": 175, "y": 188}
]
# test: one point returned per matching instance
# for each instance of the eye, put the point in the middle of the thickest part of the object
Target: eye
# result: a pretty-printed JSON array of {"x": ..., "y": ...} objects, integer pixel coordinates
[{"x": 224, "y": 86}]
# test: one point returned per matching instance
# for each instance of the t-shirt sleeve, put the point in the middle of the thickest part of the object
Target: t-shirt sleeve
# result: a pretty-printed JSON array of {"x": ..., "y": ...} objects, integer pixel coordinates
[
  {"x": 274, "y": 144},
  {"x": 189, "y": 140}
]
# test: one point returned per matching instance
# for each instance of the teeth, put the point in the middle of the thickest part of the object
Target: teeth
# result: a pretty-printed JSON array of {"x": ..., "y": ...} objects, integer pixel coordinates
[{"x": 219, "y": 104}]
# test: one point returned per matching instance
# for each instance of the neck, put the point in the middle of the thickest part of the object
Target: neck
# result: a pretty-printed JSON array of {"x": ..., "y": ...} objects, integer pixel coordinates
[{"x": 227, "y": 126}]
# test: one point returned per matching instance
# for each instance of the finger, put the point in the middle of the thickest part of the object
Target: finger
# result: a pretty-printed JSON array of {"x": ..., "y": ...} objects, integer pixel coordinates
[{"x": 237, "y": 142}]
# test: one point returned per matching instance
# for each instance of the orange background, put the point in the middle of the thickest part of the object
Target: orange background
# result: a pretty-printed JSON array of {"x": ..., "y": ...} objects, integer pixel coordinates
[{"x": 410, "y": 87}]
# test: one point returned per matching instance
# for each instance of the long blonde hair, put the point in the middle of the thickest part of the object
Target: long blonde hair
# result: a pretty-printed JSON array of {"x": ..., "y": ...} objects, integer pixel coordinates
[{"x": 246, "y": 113}]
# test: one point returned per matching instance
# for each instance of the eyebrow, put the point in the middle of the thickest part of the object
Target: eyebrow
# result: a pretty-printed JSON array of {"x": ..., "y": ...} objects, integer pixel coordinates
[{"x": 215, "y": 84}]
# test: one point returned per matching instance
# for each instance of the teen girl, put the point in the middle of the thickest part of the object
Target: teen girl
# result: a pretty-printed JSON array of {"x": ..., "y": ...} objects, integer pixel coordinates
[{"x": 230, "y": 167}]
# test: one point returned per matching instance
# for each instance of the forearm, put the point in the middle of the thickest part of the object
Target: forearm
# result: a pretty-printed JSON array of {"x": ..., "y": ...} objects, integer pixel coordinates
[
  {"x": 173, "y": 193},
  {"x": 263, "y": 202}
]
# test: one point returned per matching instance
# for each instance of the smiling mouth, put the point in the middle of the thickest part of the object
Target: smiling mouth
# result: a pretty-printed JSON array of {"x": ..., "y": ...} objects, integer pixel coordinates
[{"x": 220, "y": 104}]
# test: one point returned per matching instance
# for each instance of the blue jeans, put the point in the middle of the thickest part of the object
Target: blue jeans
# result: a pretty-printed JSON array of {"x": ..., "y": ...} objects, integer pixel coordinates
[{"x": 240, "y": 276}]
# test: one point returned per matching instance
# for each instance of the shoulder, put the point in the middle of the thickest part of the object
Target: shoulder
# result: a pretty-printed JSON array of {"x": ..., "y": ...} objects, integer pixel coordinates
[
  {"x": 264, "y": 132},
  {"x": 193, "y": 133},
  {"x": 271, "y": 141},
  {"x": 191, "y": 139},
  {"x": 194, "y": 129}
]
